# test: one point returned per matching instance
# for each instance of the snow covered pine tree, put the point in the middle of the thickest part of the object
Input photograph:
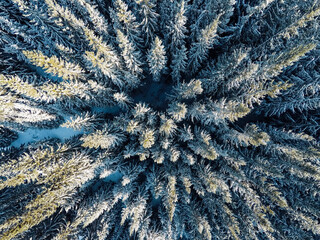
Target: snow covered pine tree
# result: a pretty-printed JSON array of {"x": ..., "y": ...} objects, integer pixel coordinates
[{"x": 192, "y": 119}]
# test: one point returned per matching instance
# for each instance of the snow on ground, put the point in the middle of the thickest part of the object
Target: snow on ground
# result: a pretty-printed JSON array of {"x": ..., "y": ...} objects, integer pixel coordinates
[
  {"x": 155, "y": 202},
  {"x": 113, "y": 177},
  {"x": 153, "y": 93},
  {"x": 36, "y": 134},
  {"x": 111, "y": 110},
  {"x": 63, "y": 133}
]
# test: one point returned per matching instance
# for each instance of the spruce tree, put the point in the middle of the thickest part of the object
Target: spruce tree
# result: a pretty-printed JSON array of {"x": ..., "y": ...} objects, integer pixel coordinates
[{"x": 191, "y": 119}]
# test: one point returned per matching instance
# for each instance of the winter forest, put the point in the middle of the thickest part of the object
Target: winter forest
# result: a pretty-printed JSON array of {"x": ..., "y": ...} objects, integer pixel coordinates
[{"x": 160, "y": 119}]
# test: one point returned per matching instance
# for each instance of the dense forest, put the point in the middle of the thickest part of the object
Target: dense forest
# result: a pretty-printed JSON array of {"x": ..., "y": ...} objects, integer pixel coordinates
[{"x": 159, "y": 120}]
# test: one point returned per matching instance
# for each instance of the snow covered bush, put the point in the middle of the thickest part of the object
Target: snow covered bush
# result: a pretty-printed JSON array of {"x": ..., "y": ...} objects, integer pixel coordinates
[{"x": 192, "y": 119}]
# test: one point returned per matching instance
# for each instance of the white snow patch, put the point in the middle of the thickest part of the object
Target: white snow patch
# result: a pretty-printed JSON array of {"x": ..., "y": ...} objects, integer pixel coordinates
[{"x": 35, "y": 134}]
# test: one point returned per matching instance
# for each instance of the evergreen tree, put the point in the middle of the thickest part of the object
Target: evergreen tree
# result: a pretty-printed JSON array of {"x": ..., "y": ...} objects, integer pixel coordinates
[
  {"x": 192, "y": 119},
  {"x": 157, "y": 59}
]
